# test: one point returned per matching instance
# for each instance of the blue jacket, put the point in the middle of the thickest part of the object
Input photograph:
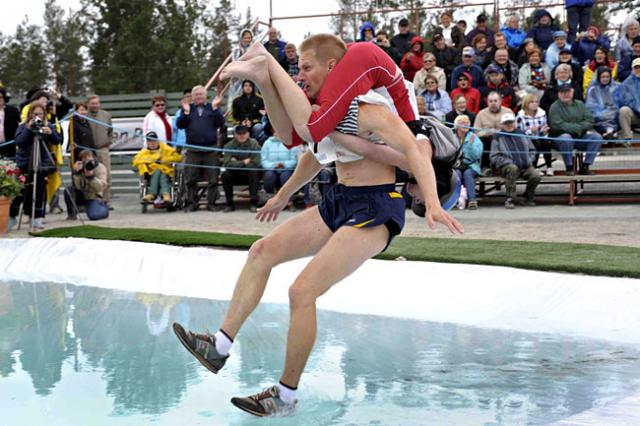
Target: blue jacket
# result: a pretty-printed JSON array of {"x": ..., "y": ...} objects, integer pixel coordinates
[
  {"x": 624, "y": 67},
  {"x": 514, "y": 38},
  {"x": 601, "y": 102},
  {"x": 474, "y": 70},
  {"x": 551, "y": 58},
  {"x": 201, "y": 130},
  {"x": 367, "y": 26},
  {"x": 274, "y": 152},
  {"x": 24, "y": 144},
  {"x": 512, "y": 148},
  {"x": 584, "y": 50},
  {"x": 281, "y": 45},
  {"x": 179, "y": 136},
  {"x": 627, "y": 94},
  {"x": 543, "y": 36},
  {"x": 472, "y": 152},
  {"x": 578, "y": 3}
]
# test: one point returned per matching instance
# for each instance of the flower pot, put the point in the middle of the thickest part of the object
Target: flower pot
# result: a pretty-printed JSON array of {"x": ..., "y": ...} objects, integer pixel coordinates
[{"x": 5, "y": 203}]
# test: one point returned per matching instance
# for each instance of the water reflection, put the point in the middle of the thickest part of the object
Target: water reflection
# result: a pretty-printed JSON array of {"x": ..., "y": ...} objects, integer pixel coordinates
[{"x": 363, "y": 369}]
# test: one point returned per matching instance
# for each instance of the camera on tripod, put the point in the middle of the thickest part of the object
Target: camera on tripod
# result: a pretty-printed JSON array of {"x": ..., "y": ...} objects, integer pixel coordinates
[{"x": 37, "y": 124}]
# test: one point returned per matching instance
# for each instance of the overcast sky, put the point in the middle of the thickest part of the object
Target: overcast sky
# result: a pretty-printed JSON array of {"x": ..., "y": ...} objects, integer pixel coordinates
[{"x": 292, "y": 30}]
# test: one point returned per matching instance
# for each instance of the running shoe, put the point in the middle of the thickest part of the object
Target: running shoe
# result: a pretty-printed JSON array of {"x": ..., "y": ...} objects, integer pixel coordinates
[
  {"x": 201, "y": 346},
  {"x": 265, "y": 403}
]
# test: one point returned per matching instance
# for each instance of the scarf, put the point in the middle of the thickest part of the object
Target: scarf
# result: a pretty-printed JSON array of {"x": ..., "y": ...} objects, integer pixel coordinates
[
  {"x": 167, "y": 126},
  {"x": 537, "y": 73},
  {"x": 593, "y": 65}
]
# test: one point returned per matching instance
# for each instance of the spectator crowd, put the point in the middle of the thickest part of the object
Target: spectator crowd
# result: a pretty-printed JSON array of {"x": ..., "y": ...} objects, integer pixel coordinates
[{"x": 510, "y": 96}]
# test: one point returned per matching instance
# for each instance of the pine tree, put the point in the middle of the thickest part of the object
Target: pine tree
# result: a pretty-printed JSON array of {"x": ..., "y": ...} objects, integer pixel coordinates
[
  {"x": 65, "y": 37},
  {"x": 22, "y": 59}
]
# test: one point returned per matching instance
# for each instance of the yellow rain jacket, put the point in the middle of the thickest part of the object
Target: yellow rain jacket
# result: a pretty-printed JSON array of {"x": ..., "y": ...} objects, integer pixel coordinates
[{"x": 148, "y": 161}]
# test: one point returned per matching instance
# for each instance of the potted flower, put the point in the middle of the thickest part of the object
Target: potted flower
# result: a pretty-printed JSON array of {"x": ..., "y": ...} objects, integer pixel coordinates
[{"x": 11, "y": 182}]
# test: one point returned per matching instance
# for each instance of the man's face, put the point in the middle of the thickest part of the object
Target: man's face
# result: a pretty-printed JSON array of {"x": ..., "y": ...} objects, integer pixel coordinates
[
  {"x": 494, "y": 103},
  {"x": 462, "y": 27},
  {"x": 467, "y": 60},
  {"x": 545, "y": 20},
  {"x": 509, "y": 126},
  {"x": 291, "y": 54},
  {"x": 565, "y": 58},
  {"x": 439, "y": 43},
  {"x": 514, "y": 23},
  {"x": 501, "y": 57},
  {"x": 187, "y": 98},
  {"x": 481, "y": 25},
  {"x": 560, "y": 42},
  {"x": 94, "y": 105},
  {"x": 565, "y": 96},
  {"x": 495, "y": 78},
  {"x": 403, "y": 29},
  {"x": 499, "y": 41},
  {"x": 633, "y": 30},
  {"x": 247, "y": 88},
  {"x": 273, "y": 35},
  {"x": 368, "y": 34},
  {"x": 313, "y": 73},
  {"x": 199, "y": 96},
  {"x": 242, "y": 137},
  {"x": 636, "y": 49},
  {"x": 591, "y": 35},
  {"x": 636, "y": 70}
]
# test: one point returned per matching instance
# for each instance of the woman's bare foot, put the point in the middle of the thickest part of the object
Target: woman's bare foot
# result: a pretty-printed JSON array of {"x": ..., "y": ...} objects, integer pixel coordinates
[
  {"x": 255, "y": 69},
  {"x": 255, "y": 49}
]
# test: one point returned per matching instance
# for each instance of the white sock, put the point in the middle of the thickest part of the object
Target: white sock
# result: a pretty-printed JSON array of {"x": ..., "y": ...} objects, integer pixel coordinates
[
  {"x": 223, "y": 343},
  {"x": 287, "y": 395}
]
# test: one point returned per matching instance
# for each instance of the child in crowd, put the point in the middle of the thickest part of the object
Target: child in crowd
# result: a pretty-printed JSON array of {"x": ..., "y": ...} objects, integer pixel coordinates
[{"x": 156, "y": 161}]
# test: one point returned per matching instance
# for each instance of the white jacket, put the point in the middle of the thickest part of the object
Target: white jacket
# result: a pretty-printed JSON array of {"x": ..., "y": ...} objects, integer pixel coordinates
[{"x": 153, "y": 123}]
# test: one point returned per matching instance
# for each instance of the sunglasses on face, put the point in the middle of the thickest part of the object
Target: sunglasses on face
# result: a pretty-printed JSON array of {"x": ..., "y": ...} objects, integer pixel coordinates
[{"x": 159, "y": 105}]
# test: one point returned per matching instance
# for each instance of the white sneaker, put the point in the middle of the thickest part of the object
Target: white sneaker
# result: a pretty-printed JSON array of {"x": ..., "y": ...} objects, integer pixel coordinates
[{"x": 37, "y": 224}]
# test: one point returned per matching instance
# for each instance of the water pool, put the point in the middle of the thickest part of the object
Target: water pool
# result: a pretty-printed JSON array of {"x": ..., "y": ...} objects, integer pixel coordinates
[{"x": 81, "y": 355}]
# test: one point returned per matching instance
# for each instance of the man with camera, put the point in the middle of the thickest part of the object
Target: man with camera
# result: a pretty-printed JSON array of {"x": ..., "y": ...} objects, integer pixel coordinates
[{"x": 87, "y": 191}]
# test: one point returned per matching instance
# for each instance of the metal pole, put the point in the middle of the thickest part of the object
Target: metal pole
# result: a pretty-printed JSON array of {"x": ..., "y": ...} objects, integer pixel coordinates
[{"x": 270, "y": 13}]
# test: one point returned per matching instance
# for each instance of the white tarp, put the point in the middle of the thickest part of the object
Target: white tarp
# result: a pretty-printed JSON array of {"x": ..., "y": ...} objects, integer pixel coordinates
[{"x": 482, "y": 296}]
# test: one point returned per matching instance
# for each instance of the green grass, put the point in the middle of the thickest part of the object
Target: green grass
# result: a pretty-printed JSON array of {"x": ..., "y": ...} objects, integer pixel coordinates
[{"x": 592, "y": 259}]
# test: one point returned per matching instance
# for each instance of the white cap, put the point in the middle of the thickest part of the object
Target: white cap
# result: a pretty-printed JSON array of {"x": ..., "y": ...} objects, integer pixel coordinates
[
  {"x": 506, "y": 117},
  {"x": 635, "y": 62}
]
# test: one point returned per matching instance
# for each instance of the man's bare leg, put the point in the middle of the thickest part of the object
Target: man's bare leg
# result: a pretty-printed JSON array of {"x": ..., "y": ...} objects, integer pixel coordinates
[
  {"x": 293, "y": 99},
  {"x": 353, "y": 247},
  {"x": 302, "y": 235},
  {"x": 256, "y": 70}
]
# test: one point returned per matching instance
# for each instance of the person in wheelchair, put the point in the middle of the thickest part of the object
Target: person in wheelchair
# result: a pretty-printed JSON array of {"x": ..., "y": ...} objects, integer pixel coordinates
[{"x": 155, "y": 163}]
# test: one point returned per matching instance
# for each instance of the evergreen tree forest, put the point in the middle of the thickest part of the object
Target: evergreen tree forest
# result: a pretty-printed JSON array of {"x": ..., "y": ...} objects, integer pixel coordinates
[{"x": 119, "y": 46}]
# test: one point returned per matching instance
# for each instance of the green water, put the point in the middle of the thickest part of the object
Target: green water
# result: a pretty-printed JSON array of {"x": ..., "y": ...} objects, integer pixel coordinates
[{"x": 86, "y": 356}]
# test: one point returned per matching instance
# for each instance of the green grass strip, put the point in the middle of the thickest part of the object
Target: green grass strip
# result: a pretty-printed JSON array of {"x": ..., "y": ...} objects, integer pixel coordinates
[{"x": 592, "y": 259}]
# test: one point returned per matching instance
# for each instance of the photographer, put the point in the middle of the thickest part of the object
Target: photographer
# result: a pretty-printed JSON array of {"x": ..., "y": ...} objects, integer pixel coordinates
[
  {"x": 89, "y": 184},
  {"x": 35, "y": 129}
]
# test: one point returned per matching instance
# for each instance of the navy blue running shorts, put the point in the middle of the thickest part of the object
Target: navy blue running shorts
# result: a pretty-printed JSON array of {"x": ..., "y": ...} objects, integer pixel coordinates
[{"x": 364, "y": 207}]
